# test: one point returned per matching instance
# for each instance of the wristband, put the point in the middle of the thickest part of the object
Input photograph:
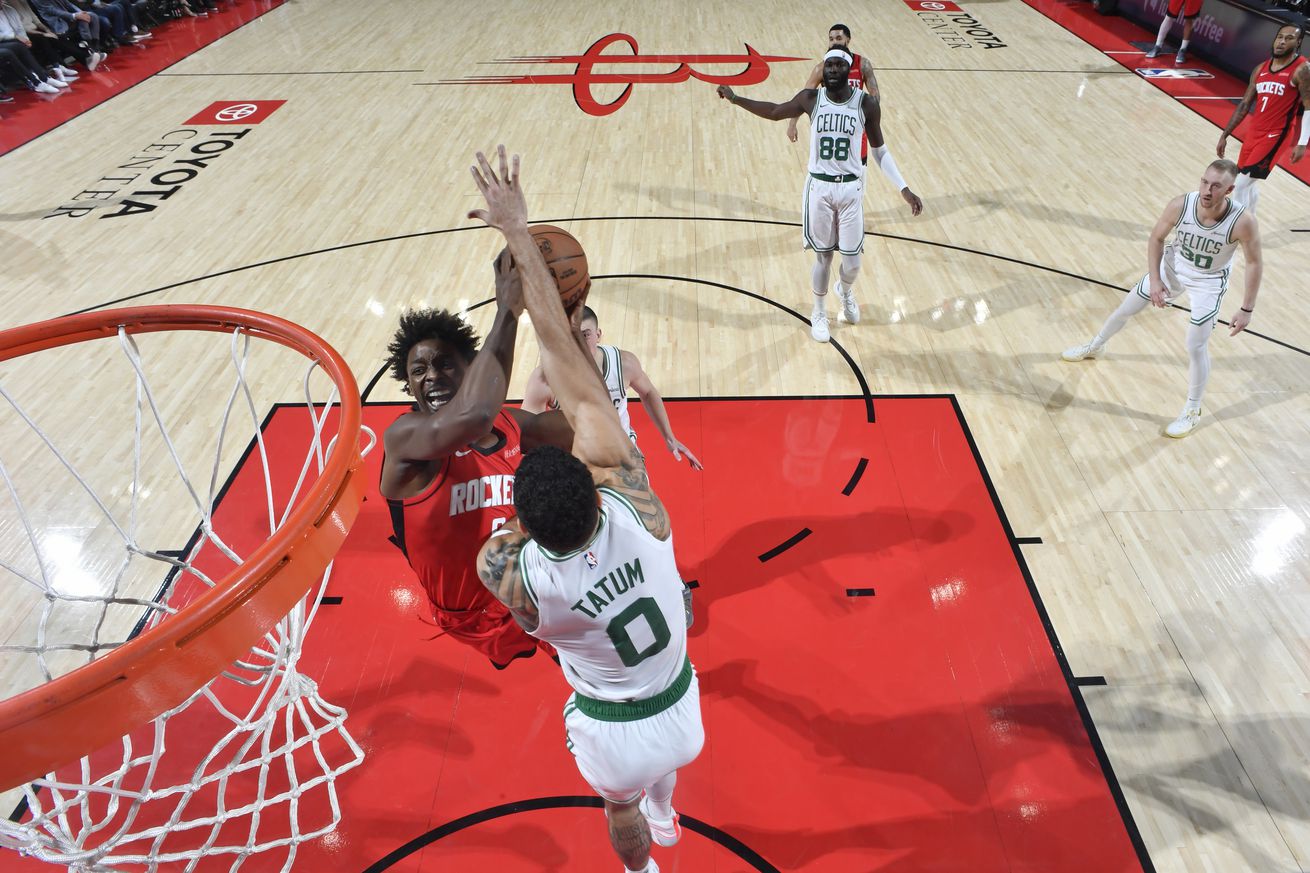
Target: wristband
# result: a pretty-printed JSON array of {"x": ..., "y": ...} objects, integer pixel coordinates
[
  {"x": 1305, "y": 129},
  {"x": 1247, "y": 311}
]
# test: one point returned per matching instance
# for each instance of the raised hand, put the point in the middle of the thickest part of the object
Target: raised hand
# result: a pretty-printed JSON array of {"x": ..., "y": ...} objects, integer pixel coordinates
[{"x": 505, "y": 204}]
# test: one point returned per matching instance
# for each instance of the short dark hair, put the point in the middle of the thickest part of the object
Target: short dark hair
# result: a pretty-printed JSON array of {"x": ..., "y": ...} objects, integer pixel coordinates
[
  {"x": 589, "y": 314},
  {"x": 417, "y": 325},
  {"x": 843, "y": 28},
  {"x": 555, "y": 498}
]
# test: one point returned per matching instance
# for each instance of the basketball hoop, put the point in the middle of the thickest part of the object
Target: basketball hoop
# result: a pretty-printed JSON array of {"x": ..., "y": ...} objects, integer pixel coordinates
[{"x": 222, "y": 630}]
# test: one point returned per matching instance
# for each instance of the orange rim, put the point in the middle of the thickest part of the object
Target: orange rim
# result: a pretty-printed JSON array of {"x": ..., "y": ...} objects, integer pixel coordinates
[{"x": 84, "y": 710}]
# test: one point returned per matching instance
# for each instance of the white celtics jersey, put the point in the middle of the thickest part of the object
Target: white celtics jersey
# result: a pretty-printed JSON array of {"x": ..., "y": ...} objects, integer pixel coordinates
[
  {"x": 612, "y": 609},
  {"x": 611, "y": 368},
  {"x": 1204, "y": 251},
  {"x": 835, "y": 135}
]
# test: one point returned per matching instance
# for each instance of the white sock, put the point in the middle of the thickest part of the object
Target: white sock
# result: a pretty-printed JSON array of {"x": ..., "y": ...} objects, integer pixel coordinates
[
  {"x": 820, "y": 302},
  {"x": 843, "y": 290},
  {"x": 1182, "y": 46}
]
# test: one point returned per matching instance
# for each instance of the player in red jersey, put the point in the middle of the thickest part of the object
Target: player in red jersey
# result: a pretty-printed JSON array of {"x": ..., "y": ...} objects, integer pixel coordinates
[
  {"x": 448, "y": 471},
  {"x": 861, "y": 77},
  {"x": 1279, "y": 93},
  {"x": 1187, "y": 10}
]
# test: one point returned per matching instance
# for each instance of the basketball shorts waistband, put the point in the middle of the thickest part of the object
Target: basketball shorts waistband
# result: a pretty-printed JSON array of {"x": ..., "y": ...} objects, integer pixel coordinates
[{"x": 635, "y": 710}]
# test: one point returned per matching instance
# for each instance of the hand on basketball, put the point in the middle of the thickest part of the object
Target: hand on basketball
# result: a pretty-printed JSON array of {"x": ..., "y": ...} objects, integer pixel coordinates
[
  {"x": 725, "y": 93},
  {"x": 505, "y": 204},
  {"x": 1239, "y": 322},
  {"x": 679, "y": 450},
  {"x": 1298, "y": 152},
  {"x": 509, "y": 286},
  {"x": 574, "y": 312},
  {"x": 1158, "y": 299},
  {"x": 916, "y": 205},
  {"x": 1223, "y": 145}
]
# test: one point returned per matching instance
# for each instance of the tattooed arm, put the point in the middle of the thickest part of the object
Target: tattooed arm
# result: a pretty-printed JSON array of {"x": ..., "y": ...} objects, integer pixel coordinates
[{"x": 498, "y": 568}]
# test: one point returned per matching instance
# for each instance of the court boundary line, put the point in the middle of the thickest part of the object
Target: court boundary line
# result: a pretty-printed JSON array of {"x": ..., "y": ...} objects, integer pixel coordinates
[
  {"x": 764, "y": 221},
  {"x": 1075, "y": 689}
]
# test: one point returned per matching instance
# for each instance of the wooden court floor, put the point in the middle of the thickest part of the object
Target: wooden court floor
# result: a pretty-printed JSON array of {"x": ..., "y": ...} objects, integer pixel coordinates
[{"x": 1177, "y": 572}]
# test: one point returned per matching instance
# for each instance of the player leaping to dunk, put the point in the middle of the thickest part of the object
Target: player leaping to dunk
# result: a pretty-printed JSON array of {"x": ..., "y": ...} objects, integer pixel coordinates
[
  {"x": 588, "y": 566},
  {"x": 833, "y": 214}
]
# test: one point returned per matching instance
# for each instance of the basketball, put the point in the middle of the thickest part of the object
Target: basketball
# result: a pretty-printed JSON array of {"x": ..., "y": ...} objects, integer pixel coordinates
[{"x": 566, "y": 261}]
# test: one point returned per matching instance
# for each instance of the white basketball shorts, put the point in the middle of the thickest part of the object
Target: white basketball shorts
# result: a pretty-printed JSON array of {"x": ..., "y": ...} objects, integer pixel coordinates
[
  {"x": 619, "y": 759},
  {"x": 833, "y": 216},
  {"x": 1204, "y": 294}
]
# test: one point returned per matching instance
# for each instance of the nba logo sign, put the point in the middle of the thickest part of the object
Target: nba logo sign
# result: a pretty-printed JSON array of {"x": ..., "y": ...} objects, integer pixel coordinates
[{"x": 591, "y": 560}]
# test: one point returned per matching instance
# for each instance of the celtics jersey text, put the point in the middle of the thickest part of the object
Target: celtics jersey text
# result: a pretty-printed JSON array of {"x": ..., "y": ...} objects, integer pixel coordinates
[
  {"x": 613, "y": 608},
  {"x": 835, "y": 132},
  {"x": 1204, "y": 250}
]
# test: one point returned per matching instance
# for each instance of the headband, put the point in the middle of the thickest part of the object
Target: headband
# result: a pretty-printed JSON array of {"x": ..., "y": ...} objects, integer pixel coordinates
[{"x": 838, "y": 54}]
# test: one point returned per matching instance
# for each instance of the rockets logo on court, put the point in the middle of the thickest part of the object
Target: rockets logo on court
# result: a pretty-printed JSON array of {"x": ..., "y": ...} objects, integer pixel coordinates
[
  {"x": 628, "y": 70},
  {"x": 156, "y": 172},
  {"x": 953, "y": 26}
]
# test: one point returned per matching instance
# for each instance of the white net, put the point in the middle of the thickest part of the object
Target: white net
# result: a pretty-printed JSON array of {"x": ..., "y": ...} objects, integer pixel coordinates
[{"x": 248, "y": 764}]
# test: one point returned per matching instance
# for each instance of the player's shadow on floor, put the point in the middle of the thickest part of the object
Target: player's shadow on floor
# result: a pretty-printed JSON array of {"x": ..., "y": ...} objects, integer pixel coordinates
[
  {"x": 1198, "y": 787},
  {"x": 734, "y": 566},
  {"x": 894, "y": 747}
]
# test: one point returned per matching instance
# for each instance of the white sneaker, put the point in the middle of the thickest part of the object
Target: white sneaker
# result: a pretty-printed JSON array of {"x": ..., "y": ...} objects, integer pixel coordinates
[
  {"x": 1082, "y": 352},
  {"x": 67, "y": 74},
  {"x": 57, "y": 82},
  {"x": 665, "y": 832},
  {"x": 94, "y": 61},
  {"x": 1184, "y": 423},
  {"x": 819, "y": 325},
  {"x": 45, "y": 88},
  {"x": 850, "y": 310}
]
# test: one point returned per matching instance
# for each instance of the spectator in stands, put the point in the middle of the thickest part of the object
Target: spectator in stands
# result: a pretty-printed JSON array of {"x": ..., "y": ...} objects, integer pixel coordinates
[
  {"x": 62, "y": 17},
  {"x": 48, "y": 49},
  {"x": 15, "y": 51}
]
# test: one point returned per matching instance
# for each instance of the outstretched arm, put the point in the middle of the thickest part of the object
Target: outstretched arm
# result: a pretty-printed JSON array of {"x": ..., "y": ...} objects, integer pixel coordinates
[
  {"x": 417, "y": 437},
  {"x": 802, "y": 102},
  {"x": 599, "y": 440},
  {"x": 1248, "y": 232},
  {"x": 654, "y": 403},
  {"x": 1248, "y": 100},
  {"x": 882, "y": 155},
  {"x": 812, "y": 82}
]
